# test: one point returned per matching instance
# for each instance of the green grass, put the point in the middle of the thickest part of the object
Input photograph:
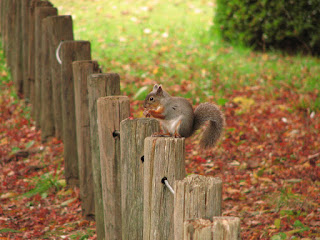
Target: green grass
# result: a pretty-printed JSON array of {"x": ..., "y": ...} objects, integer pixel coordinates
[
  {"x": 44, "y": 184},
  {"x": 5, "y": 76},
  {"x": 171, "y": 42}
]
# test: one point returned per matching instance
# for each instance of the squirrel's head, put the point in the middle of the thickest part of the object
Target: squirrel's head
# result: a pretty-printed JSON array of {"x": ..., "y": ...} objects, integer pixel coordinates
[{"x": 153, "y": 98}]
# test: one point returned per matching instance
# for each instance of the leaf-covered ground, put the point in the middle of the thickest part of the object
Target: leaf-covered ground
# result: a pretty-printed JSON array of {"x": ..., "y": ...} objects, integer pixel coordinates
[
  {"x": 269, "y": 161},
  {"x": 34, "y": 201}
]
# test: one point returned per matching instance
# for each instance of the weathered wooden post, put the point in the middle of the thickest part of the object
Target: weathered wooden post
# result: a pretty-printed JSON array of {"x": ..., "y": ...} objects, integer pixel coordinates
[
  {"x": 2, "y": 2},
  {"x": 31, "y": 49},
  {"x": 164, "y": 158},
  {"x": 3, "y": 10},
  {"x": 6, "y": 26},
  {"x": 196, "y": 196},
  {"x": 25, "y": 44},
  {"x": 25, "y": 31},
  {"x": 70, "y": 51},
  {"x": 220, "y": 228},
  {"x": 81, "y": 71},
  {"x": 4, "y": 17},
  {"x": 111, "y": 111},
  {"x": 59, "y": 29},
  {"x": 47, "y": 114},
  {"x": 10, "y": 32},
  {"x": 99, "y": 85},
  {"x": 40, "y": 55},
  {"x": 17, "y": 64},
  {"x": 133, "y": 132},
  {"x": 1, "y": 17}
]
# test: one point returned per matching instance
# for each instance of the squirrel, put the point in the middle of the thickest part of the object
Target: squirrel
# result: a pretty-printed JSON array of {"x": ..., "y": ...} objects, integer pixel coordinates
[{"x": 177, "y": 118}]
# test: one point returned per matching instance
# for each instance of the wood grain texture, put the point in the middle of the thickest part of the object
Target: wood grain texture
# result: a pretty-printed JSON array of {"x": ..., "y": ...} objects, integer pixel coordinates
[
  {"x": 25, "y": 44},
  {"x": 59, "y": 29},
  {"x": 7, "y": 10},
  {"x": 70, "y": 51},
  {"x": 99, "y": 85},
  {"x": 47, "y": 114},
  {"x": 196, "y": 196},
  {"x": 11, "y": 33},
  {"x": 163, "y": 157},
  {"x": 3, "y": 22},
  {"x": 81, "y": 71},
  {"x": 40, "y": 56},
  {"x": 17, "y": 70},
  {"x": 111, "y": 111},
  {"x": 31, "y": 49},
  {"x": 133, "y": 133},
  {"x": 220, "y": 228}
]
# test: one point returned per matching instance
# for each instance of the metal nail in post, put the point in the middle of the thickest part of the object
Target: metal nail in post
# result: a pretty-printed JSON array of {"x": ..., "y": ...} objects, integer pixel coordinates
[
  {"x": 165, "y": 182},
  {"x": 58, "y": 53}
]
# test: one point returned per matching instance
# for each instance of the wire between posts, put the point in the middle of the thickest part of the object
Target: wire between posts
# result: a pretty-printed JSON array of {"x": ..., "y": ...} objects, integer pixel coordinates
[
  {"x": 165, "y": 182},
  {"x": 58, "y": 53}
]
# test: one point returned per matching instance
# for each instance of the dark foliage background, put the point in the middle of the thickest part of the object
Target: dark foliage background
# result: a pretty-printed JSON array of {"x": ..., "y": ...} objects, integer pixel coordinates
[{"x": 271, "y": 24}]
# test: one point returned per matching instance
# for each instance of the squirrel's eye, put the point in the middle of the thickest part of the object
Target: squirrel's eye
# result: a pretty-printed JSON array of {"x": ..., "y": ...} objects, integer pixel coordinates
[{"x": 151, "y": 98}]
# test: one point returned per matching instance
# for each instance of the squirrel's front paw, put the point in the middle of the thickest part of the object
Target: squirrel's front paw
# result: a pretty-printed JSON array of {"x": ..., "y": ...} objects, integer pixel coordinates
[
  {"x": 161, "y": 134},
  {"x": 146, "y": 113},
  {"x": 177, "y": 135}
]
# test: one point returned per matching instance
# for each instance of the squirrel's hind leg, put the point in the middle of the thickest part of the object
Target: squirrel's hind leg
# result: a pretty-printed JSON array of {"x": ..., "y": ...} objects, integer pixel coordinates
[
  {"x": 176, "y": 133},
  {"x": 163, "y": 132}
]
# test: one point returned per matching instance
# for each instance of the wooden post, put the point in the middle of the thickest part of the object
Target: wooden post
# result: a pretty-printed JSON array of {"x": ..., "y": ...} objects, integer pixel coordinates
[
  {"x": 133, "y": 132},
  {"x": 70, "y": 51},
  {"x": 40, "y": 55},
  {"x": 17, "y": 64},
  {"x": 3, "y": 22},
  {"x": 31, "y": 49},
  {"x": 47, "y": 114},
  {"x": 111, "y": 111},
  {"x": 5, "y": 27},
  {"x": 226, "y": 228},
  {"x": 163, "y": 157},
  {"x": 25, "y": 45},
  {"x": 196, "y": 196},
  {"x": 1, "y": 18},
  {"x": 99, "y": 85},
  {"x": 59, "y": 29},
  {"x": 10, "y": 32},
  {"x": 2, "y": 8},
  {"x": 81, "y": 71}
]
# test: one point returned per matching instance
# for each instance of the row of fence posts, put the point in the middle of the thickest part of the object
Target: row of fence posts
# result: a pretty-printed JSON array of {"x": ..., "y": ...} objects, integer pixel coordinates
[{"x": 119, "y": 168}]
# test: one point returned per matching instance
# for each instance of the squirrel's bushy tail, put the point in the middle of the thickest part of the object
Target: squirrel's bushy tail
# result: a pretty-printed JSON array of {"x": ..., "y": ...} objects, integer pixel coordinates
[{"x": 209, "y": 112}]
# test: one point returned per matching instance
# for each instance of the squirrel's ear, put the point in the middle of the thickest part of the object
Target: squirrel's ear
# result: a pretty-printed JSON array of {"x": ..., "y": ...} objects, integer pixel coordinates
[
  {"x": 155, "y": 87},
  {"x": 159, "y": 90}
]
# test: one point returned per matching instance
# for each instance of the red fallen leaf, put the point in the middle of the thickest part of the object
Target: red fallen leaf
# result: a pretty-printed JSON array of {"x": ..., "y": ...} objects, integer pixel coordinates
[
  {"x": 315, "y": 223},
  {"x": 313, "y": 158},
  {"x": 37, "y": 197},
  {"x": 199, "y": 159},
  {"x": 263, "y": 131},
  {"x": 84, "y": 223}
]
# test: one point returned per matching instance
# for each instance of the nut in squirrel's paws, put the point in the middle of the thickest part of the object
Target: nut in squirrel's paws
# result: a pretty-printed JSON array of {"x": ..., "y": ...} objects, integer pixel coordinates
[{"x": 146, "y": 113}]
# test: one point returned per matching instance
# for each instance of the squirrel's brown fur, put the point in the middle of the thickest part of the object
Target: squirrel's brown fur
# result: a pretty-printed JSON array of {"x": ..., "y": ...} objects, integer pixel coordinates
[{"x": 178, "y": 119}]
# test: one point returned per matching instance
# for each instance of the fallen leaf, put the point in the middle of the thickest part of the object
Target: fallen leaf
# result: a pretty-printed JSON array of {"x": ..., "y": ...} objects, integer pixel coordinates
[{"x": 8, "y": 195}]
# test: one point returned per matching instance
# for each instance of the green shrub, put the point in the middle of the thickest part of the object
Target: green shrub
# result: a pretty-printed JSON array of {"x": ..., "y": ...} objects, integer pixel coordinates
[{"x": 263, "y": 24}]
